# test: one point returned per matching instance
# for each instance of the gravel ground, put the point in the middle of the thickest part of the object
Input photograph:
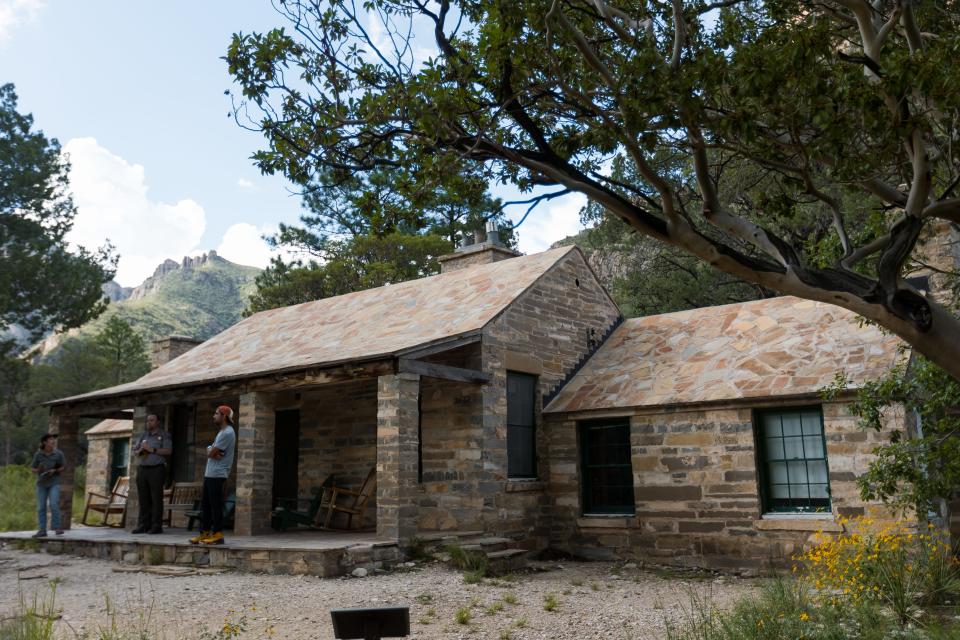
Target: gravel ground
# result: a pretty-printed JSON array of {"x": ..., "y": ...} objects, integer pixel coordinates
[{"x": 593, "y": 600}]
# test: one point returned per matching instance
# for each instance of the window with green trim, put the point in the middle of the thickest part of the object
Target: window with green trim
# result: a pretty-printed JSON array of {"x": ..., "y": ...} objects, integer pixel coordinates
[
  {"x": 606, "y": 469},
  {"x": 794, "y": 476}
]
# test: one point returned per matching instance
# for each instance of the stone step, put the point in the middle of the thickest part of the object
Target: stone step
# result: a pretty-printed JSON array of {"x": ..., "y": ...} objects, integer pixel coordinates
[
  {"x": 506, "y": 561},
  {"x": 492, "y": 543}
]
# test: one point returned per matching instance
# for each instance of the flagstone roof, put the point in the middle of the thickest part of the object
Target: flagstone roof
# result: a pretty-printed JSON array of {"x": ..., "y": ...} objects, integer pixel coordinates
[
  {"x": 777, "y": 347},
  {"x": 358, "y": 326},
  {"x": 110, "y": 426}
]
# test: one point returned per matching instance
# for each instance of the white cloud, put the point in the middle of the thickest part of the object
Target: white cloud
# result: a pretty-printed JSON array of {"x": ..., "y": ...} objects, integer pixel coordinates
[
  {"x": 551, "y": 222},
  {"x": 243, "y": 243},
  {"x": 112, "y": 203},
  {"x": 244, "y": 184},
  {"x": 14, "y": 13}
]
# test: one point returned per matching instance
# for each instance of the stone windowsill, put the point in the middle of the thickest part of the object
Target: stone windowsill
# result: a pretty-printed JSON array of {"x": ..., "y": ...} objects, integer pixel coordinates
[
  {"x": 601, "y": 521},
  {"x": 798, "y": 522},
  {"x": 516, "y": 486}
]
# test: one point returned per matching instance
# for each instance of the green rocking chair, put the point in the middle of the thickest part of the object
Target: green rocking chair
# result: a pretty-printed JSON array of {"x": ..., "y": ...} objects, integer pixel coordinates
[{"x": 287, "y": 516}]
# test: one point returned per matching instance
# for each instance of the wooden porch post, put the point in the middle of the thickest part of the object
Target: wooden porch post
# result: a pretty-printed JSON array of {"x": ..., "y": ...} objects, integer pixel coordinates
[
  {"x": 398, "y": 417},
  {"x": 67, "y": 428},
  {"x": 255, "y": 442}
]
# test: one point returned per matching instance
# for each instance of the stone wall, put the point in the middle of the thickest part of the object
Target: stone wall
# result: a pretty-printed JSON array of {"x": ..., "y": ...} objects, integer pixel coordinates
[
  {"x": 547, "y": 332},
  {"x": 338, "y": 434},
  {"x": 451, "y": 491},
  {"x": 697, "y": 493},
  {"x": 98, "y": 464}
]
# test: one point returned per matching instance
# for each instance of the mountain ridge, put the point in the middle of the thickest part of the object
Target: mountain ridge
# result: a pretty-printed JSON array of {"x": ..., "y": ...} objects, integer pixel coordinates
[{"x": 198, "y": 297}]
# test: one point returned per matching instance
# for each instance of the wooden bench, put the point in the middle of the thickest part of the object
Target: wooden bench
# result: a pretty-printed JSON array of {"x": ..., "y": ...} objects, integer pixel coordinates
[
  {"x": 115, "y": 503},
  {"x": 182, "y": 498}
]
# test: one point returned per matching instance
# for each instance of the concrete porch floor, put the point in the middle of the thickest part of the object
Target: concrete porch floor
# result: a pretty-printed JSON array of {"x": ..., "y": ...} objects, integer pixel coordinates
[{"x": 320, "y": 553}]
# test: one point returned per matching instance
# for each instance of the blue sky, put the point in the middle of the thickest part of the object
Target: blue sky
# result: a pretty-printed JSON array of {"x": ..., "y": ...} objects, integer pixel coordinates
[{"x": 134, "y": 91}]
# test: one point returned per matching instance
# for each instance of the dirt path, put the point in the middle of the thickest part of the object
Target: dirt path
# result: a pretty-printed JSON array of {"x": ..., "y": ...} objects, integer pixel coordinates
[{"x": 593, "y": 600}]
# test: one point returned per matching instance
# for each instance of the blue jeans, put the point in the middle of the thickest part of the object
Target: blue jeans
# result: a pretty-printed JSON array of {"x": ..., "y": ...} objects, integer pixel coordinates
[{"x": 51, "y": 494}]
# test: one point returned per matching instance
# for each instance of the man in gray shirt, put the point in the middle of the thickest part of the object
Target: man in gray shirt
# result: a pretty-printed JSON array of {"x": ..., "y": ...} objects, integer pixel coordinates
[
  {"x": 151, "y": 451},
  {"x": 48, "y": 464},
  {"x": 219, "y": 462}
]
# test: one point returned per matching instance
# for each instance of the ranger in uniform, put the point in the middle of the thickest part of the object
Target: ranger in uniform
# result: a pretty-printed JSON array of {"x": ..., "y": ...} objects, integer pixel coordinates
[{"x": 152, "y": 450}]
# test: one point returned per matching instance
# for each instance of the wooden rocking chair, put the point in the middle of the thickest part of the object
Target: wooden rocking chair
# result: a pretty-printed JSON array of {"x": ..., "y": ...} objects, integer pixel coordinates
[
  {"x": 288, "y": 515},
  {"x": 353, "y": 503},
  {"x": 115, "y": 503}
]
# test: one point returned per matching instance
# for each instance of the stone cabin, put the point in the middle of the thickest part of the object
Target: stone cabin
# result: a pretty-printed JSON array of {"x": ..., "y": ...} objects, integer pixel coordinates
[{"x": 508, "y": 395}]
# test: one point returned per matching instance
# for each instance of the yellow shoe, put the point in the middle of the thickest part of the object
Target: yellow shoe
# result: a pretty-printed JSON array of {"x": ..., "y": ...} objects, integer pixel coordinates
[
  {"x": 197, "y": 539},
  {"x": 213, "y": 538}
]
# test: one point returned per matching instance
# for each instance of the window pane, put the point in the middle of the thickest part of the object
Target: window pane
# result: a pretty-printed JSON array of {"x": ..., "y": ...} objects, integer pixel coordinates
[
  {"x": 771, "y": 425},
  {"x": 774, "y": 449},
  {"x": 791, "y": 424},
  {"x": 797, "y": 471},
  {"x": 819, "y": 491},
  {"x": 780, "y": 491},
  {"x": 817, "y": 471},
  {"x": 811, "y": 423},
  {"x": 799, "y": 491},
  {"x": 793, "y": 448},
  {"x": 778, "y": 472},
  {"x": 813, "y": 446}
]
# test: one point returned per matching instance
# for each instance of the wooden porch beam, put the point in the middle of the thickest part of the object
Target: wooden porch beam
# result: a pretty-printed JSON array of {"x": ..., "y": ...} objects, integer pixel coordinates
[
  {"x": 95, "y": 407},
  {"x": 439, "y": 347},
  {"x": 442, "y": 371}
]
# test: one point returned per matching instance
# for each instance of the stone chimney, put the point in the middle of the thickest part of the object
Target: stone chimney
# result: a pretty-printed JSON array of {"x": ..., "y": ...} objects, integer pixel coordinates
[
  {"x": 477, "y": 248},
  {"x": 166, "y": 349}
]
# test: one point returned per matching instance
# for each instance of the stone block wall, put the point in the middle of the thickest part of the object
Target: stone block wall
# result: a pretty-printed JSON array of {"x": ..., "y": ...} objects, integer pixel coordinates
[
  {"x": 546, "y": 332},
  {"x": 451, "y": 493},
  {"x": 338, "y": 434},
  {"x": 697, "y": 490},
  {"x": 98, "y": 464},
  {"x": 205, "y": 432},
  {"x": 254, "y": 460}
]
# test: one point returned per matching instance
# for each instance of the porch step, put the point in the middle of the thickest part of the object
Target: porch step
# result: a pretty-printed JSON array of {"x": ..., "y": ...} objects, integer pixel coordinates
[
  {"x": 488, "y": 544},
  {"x": 506, "y": 561}
]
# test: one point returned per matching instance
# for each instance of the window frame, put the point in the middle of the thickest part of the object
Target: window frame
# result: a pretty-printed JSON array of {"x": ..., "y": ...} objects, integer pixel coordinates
[
  {"x": 533, "y": 426},
  {"x": 765, "y": 482},
  {"x": 587, "y": 509}
]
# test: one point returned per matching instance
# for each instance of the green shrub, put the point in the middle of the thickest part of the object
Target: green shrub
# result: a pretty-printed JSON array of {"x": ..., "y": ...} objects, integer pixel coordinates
[
  {"x": 18, "y": 500},
  {"x": 463, "y": 615},
  {"x": 551, "y": 602},
  {"x": 34, "y": 618},
  {"x": 890, "y": 563},
  {"x": 787, "y": 608},
  {"x": 474, "y": 563}
]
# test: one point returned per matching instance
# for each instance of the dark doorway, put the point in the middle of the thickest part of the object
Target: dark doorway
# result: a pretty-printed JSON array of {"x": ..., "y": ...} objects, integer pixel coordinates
[
  {"x": 181, "y": 466},
  {"x": 286, "y": 455}
]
